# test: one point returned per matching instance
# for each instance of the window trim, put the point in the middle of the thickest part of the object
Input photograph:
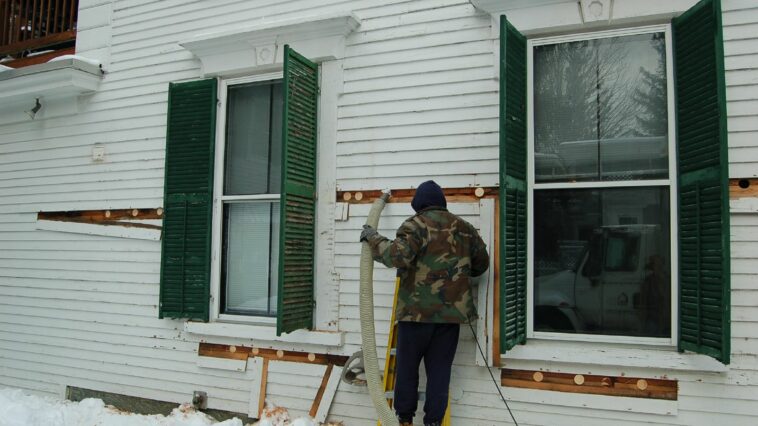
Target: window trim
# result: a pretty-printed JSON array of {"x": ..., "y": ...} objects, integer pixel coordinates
[
  {"x": 671, "y": 182},
  {"x": 219, "y": 199}
]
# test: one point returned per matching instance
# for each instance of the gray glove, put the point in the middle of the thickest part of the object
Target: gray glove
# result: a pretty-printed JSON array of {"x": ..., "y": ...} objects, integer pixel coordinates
[{"x": 367, "y": 233}]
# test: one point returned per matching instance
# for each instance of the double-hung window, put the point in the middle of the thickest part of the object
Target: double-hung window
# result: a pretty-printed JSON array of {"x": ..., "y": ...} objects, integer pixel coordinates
[
  {"x": 614, "y": 215},
  {"x": 248, "y": 181},
  {"x": 242, "y": 192},
  {"x": 600, "y": 186}
]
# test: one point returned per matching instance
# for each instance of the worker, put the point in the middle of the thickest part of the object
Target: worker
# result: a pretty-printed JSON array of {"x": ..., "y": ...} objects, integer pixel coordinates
[{"x": 436, "y": 253}]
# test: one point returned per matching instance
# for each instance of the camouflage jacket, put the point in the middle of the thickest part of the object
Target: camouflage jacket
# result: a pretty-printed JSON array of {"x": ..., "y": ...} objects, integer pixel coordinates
[{"x": 436, "y": 254}]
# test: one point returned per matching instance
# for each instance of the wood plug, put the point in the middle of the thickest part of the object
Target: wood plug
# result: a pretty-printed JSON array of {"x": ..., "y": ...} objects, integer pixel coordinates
[
  {"x": 159, "y": 212},
  {"x": 479, "y": 192},
  {"x": 347, "y": 196},
  {"x": 312, "y": 356},
  {"x": 579, "y": 379},
  {"x": 107, "y": 213},
  {"x": 538, "y": 376},
  {"x": 358, "y": 196},
  {"x": 232, "y": 349},
  {"x": 280, "y": 353},
  {"x": 255, "y": 351},
  {"x": 135, "y": 212},
  {"x": 642, "y": 384}
]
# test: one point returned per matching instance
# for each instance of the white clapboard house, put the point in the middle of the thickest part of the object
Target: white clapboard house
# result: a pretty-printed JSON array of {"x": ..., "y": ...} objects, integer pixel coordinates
[{"x": 183, "y": 183}]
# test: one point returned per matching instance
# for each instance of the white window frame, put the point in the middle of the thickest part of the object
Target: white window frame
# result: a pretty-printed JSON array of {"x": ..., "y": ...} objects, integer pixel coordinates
[
  {"x": 671, "y": 182},
  {"x": 219, "y": 199}
]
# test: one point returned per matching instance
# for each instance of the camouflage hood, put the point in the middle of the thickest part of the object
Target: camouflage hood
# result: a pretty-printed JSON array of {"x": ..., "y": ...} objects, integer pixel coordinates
[{"x": 436, "y": 253}]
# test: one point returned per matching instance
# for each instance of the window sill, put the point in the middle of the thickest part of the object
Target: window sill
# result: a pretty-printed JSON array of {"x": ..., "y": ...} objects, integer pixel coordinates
[
  {"x": 264, "y": 333},
  {"x": 597, "y": 355}
]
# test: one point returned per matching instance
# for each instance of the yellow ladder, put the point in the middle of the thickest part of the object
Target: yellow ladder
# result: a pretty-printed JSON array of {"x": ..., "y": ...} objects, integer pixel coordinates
[{"x": 389, "y": 366}]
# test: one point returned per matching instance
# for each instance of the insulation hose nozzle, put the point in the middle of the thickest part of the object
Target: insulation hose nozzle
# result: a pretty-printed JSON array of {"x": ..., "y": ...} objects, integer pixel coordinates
[{"x": 368, "y": 333}]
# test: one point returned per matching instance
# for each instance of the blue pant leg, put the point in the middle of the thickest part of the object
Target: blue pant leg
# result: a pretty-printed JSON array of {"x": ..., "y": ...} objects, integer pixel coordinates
[
  {"x": 438, "y": 360},
  {"x": 412, "y": 341}
]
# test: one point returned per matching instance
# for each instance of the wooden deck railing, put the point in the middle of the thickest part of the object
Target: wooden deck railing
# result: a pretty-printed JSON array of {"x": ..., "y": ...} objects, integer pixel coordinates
[{"x": 35, "y": 24}]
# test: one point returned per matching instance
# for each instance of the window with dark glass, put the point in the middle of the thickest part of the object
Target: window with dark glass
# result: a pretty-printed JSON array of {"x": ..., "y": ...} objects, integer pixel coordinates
[{"x": 601, "y": 187}]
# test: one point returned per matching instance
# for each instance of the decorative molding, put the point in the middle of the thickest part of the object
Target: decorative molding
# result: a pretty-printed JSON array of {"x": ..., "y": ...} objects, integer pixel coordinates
[
  {"x": 542, "y": 17},
  {"x": 258, "y": 47},
  {"x": 596, "y": 10}
]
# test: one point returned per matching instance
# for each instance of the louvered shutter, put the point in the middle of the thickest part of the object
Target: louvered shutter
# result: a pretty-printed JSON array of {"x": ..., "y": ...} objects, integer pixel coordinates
[
  {"x": 513, "y": 220},
  {"x": 186, "y": 245},
  {"x": 703, "y": 182},
  {"x": 298, "y": 212}
]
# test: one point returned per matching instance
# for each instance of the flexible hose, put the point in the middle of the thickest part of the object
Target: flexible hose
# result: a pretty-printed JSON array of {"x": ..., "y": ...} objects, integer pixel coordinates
[{"x": 368, "y": 334}]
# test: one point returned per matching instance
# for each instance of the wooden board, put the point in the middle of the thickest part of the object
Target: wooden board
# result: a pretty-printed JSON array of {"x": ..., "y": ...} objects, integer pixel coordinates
[
  {"x": 637, "y": 387},
  {"x": 321, "y": 389},
  {"x": 405, "y": 195},
  {"x": 262, "y": 393},
  {"x": 743, "y": 188},
  {"x": 243, "y": 352},
  {"x": 94, "y": 216}
]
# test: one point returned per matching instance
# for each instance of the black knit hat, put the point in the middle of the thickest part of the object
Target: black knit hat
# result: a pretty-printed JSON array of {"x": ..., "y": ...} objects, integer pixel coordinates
[{"x": 428, "y": 194}]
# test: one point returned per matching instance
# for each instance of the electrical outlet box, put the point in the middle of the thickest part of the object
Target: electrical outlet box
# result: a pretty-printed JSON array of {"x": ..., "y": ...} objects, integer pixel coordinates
[
  {"x": 98, "y": 153},
  {"x": 200, "y": 400}
]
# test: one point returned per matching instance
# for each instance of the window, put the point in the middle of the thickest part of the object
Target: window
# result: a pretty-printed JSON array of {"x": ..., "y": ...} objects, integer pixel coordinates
[
  {"x": 249, "y": 179},
  {"x": 601, "y": 180},
  {"x": 614, "y": 217},
  {"x": 254, "y": 191}
]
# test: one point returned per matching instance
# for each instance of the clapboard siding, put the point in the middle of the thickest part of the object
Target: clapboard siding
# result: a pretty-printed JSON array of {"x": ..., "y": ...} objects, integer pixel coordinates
[
  {"x": 740, "y": 22},
  {"x": 418, "y": 101}
]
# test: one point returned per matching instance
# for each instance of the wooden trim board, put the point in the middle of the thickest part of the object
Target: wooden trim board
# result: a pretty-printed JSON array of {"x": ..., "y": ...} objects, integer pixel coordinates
[
  {"x": 405, "y": 195},
  {"x": 95, "y": 216},
  {"x": 243, "y": 352},
  {"x": 635, "y": 387},
  {"x": 321, "y": 389},
  {"x": 743, "y": 188}
]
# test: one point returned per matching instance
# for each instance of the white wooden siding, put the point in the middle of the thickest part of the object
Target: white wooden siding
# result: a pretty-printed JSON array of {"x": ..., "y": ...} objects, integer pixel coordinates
[
  {"x": 419, "y": 101},
  {"x": 740, "y": 21}
]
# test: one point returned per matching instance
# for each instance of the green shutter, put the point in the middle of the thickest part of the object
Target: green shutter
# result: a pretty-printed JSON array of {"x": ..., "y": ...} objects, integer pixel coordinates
[
  {"x": 513, "y": 220},
  {"x": 298, "y": 212},
  {"x": 186, "y": 245},
  {"x": 703, "y": 182}
]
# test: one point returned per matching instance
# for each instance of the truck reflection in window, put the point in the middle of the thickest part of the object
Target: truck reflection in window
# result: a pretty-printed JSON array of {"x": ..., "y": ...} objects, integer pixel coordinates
[{"x": 610, "y": 290}]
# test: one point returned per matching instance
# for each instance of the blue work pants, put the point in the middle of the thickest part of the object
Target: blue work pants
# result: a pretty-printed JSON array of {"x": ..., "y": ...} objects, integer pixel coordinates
[{"x": 436, "y": 345}]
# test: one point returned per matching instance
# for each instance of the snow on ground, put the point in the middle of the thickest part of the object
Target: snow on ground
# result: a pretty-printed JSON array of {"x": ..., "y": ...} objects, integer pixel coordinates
[{"x": 20, "y": 409}]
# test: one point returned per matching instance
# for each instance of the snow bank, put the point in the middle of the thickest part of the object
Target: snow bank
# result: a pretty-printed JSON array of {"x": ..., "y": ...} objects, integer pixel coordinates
[{"x": 20, "y": 409}]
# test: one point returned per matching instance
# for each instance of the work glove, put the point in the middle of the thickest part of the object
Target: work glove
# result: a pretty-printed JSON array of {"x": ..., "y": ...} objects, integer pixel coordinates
[{"x": 367, "y": 233}]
